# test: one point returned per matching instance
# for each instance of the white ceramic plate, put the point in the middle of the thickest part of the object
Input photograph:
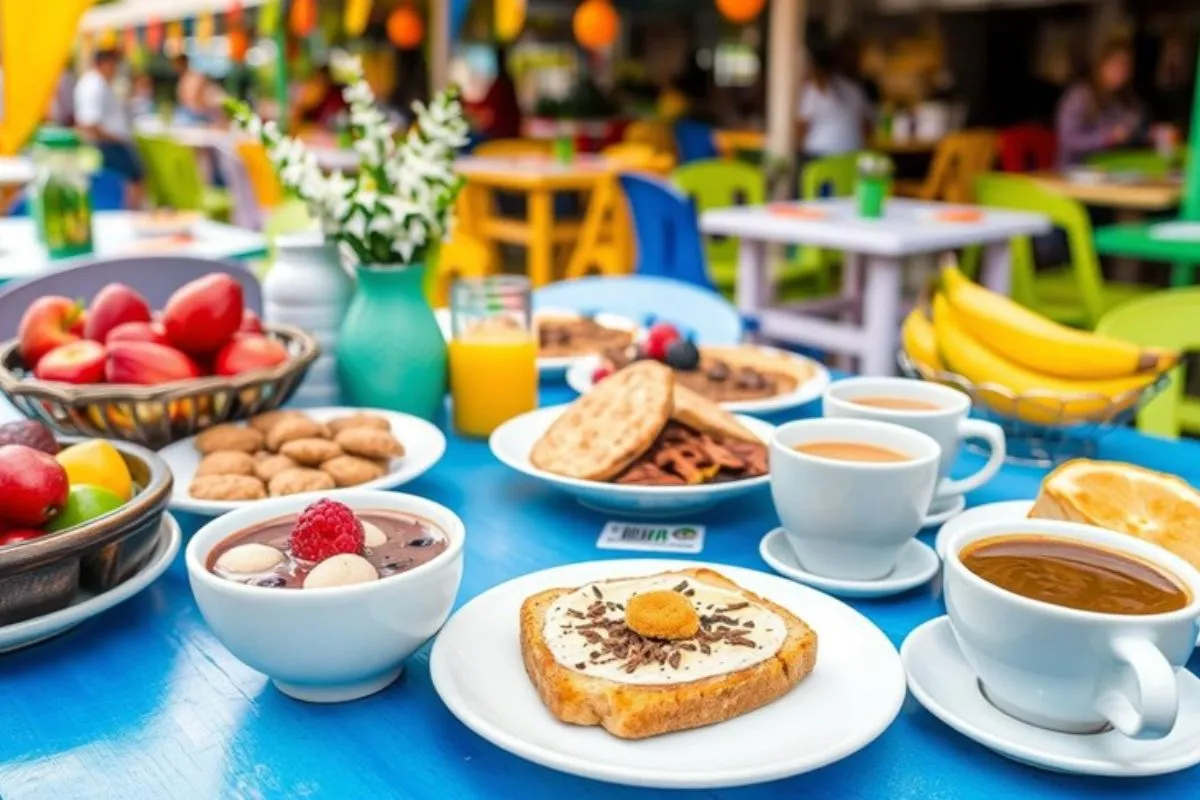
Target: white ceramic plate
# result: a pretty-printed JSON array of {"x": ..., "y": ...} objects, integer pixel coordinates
[
  {"x": 513, "y": 441},
  {"x": 86, "y": 605},
  {"x": 423, "y": 443},
  {"x": 943, "y": 682},
  {"x": 850, "y": 698},
  {"x": 579, "y": 378},
  {"x": 548, "y": 367}
]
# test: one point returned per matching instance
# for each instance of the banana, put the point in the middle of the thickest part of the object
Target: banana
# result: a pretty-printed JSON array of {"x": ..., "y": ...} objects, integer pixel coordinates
[
  {"x": 1040, "y": 344},
  {"x": 1048, "y": 399},
  {"x": 920, "y": 342}
]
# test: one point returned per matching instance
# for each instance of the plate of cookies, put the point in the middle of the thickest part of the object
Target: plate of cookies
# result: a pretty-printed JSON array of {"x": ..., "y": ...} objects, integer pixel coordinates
[
  {"x": 292, "y": 451},
  {"x": 639, "y": 443}
]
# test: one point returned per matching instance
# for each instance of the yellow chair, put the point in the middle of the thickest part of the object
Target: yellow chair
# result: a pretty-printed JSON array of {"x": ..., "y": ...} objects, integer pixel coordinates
[
  {"x": 658, "y": 135},
  {"x": 641, "y": 157},
  {"x": 263, "y": 180},
  {"x": 464, "y": 256},
  {"x": 513, "y": 148},
  {"x": 959, "y": 159}
]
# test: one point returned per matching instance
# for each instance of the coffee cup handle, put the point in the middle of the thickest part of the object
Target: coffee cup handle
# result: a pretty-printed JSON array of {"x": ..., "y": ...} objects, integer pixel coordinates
[
  {"x": 991, "y": 433},
  {"x": 1145, "y": 708}
]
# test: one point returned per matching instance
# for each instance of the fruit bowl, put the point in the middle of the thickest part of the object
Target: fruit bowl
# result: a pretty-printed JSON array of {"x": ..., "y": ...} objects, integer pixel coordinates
[
  {"x": 156, "y": 416},
  {"x": 1043, "y": 428},
  {"x": 42, "y": 575}
]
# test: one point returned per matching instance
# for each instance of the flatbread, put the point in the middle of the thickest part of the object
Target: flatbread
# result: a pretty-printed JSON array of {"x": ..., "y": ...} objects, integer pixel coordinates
[
  {"x": 605, "y": 430},
  {"x": 763, "y": 360}
]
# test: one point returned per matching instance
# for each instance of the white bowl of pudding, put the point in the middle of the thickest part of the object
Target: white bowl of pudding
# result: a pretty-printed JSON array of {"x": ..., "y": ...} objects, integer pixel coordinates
[{"x": 333, "y": 643}]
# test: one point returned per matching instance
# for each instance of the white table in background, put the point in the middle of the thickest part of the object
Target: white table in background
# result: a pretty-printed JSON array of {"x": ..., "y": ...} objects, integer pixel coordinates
[
  {"x": 21, "y": 256},
  {"x": 15, "y": 171},
  {"x": 875, "y": 254}
]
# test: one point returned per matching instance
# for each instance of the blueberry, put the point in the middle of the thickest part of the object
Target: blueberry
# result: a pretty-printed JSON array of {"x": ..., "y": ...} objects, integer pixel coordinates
[
  {"x": 683, "y": 355},
  {"x": 424, "y": 541},
  {"x": 271, "y": 581}
]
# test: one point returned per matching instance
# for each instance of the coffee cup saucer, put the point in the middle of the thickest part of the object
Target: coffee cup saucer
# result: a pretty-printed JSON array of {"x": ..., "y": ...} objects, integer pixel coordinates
[
  {"x": 917, "y": 565},
  {"x": 941, "y": 680},
  {"x": 944, "y": 509}
]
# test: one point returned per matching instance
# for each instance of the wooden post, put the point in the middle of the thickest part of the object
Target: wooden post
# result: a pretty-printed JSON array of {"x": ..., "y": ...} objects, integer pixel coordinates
[
  {"x": 784, "y": 45},
  {"x": 439, "y": 45}
]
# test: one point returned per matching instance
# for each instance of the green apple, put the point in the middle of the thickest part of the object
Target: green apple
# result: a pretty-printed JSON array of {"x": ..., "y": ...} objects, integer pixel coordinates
[{"x": 84, "y": 504}]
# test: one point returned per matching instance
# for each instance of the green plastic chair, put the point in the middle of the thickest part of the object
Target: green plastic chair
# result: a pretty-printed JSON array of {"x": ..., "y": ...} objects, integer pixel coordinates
[
  {"x": 1073, "y": 294},
  {"x": 832, "y": 176},
  {"x": 1163, "y": 319},
  {"x": 175, "y": 181},
  {"x": 717, "y": 183}
]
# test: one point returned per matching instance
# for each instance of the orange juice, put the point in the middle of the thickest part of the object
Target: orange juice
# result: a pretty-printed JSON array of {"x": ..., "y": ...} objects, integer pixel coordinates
[{"x": 493, "y": 378}]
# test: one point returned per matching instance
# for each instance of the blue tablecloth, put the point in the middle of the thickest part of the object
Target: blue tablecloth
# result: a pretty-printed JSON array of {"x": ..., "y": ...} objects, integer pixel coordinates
[{"x": 143, "y": 702}]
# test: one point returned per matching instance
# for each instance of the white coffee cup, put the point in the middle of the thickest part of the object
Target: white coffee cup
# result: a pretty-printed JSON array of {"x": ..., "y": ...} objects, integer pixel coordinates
[
  {"x": 1066, "y": 669},
  {"x": 948, "y": 424},
  {"x": 851, "y": 519}
]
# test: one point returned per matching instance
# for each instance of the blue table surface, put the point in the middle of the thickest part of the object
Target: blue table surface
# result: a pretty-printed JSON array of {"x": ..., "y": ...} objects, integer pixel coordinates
[{"x": 143, "y": 702}]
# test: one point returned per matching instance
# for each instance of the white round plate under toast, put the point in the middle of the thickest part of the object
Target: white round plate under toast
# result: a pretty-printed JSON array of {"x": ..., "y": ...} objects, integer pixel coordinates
[
  {"x": 579, "y": 378},
  {"x": 850, "y": 698},
  {"x": 942, "y": 681},
  {"x": 86, "y": 605},
  {"x": 423, "y": 443},
  {"x": 549, "y": 367},
  {"x": 1007, "y": 511},
  {"x": 943, "y": 512},
  {"x": 513, "y": 441},
  {"x": 916, "y": 567}
]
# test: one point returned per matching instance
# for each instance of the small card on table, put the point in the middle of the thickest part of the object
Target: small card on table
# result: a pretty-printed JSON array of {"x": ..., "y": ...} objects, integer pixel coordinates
[{"x": 651, "y": 537}]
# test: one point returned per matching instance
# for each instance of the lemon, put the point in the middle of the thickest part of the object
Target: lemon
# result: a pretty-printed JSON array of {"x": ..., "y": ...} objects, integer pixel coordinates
[{"x": 97, "y": 463}]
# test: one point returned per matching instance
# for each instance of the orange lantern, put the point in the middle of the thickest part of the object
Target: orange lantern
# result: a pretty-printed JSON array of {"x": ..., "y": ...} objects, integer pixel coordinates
[
  {"x": 302, "y": 18},
  {"x": 405, "y": 28},
  {"x": 740, "y": 11},
  {"x": 239, "y": 43},
  {"x": 596, "y": 24}
]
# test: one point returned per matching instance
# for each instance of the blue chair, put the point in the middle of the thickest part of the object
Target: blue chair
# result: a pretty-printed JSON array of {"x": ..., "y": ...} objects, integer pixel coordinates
[
  {"x": 108, "y": 194},
  {"x": 708, "y": 316},
  {"x": 669, "y": 244},
  {"x": 695, "y": 141}
]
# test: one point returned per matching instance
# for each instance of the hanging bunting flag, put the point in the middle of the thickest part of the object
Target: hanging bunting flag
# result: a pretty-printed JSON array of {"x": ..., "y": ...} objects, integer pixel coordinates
[
  {"x": 302, "y": 17},
  {"x": 175, "y": 37},
  {"x": 510, "y": 19},
  {"x": 239, "y": 44},
  {"x": 205, "y": 27},
  {"x": 107, "y": 39},
  {"x": 130, "y": 41},
  {"x": 154, "y": 34},
  {"x": 237, "y": 14},
  {"x": 358, "y": 14},
  {"x": 268, "y": 17}
]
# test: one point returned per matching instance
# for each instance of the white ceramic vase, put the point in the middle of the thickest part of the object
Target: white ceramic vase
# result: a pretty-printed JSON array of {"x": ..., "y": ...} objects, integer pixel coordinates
[{"x": 308, "y": 287}]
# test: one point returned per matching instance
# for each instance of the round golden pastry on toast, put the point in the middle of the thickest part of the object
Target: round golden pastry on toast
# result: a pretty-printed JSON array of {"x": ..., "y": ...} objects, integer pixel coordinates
[{"x": 601, "y": 433}]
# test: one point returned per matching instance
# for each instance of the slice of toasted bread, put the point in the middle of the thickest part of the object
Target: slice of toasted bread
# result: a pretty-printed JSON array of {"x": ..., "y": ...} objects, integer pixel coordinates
[
  {"x": 763, "y": 359},
  {"x": 705, "y": 416},
  {"x": 604, "y": 431},
  {"x": 638, "y": 711}
]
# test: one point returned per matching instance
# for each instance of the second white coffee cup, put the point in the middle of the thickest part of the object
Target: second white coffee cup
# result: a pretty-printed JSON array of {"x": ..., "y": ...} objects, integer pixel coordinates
[{"x": 850, "y": 519}]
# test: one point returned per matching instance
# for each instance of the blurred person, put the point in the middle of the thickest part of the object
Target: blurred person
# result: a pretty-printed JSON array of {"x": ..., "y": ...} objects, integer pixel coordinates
[
  {"x": 834, "y": 114},
  {"x": 1102, "y": 111},
  {"x": 498, "y": 114},
  {"x": 197, "y": 98},
  {"x": 141, "y": 101},
  {"x": 103, "y": 119},
  {"x": 62, "y": 103}
]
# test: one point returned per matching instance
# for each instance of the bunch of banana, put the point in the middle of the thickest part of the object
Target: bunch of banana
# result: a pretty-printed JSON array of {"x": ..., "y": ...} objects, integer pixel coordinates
[{"x": 1059, "y": 374}]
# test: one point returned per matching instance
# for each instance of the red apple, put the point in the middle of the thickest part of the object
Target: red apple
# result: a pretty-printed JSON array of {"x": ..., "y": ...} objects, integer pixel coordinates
[
  {"x": 203, "y": 315},
  {"x": 148, "y": 364},
  {"x": 47, "y": 323},
  {"x": 113, "y": 305},
  {"x": 29, "y": 433},
  {"x": 18, "y": 535},
  {"x": 76, "y": 362},
  {"x": 249, "y": 352},
  {"x": 250, "y": 322},
  {"x": 138, "y": 332},
  {"x": 33, "y": 486}
]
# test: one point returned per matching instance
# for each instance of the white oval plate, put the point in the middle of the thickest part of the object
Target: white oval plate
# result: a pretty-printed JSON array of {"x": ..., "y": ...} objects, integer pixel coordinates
[
  {"x": 87, "y": 605},
  {"x": 513, "y": 441},
  {"x": 550, "y": 367},
  {"x": 850, "y": 698},
  {"x": 423, "y": 444},
  {"x": 579, "y": 378}
]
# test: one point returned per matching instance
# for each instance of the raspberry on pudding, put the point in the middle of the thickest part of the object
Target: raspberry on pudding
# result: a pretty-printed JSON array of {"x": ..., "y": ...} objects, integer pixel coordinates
[{"x": 327, "y": 545}]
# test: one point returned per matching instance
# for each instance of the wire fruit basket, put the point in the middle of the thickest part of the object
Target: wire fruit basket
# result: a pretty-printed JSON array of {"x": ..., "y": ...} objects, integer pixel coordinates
[
  {"x": 155, "y": 416},
  {"x": 1044, "y": 428}
]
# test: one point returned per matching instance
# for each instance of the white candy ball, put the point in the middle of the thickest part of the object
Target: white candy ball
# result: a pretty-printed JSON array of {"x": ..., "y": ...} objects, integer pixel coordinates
[
  {"x": 340, "y": 570},
  {"x": 249, "y": 559},
  {"x": 372, "y": 535}
]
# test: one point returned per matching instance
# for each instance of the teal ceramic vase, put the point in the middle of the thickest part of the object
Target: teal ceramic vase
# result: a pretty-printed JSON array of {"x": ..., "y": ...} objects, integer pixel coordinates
[{"x": 391, "y": 352}]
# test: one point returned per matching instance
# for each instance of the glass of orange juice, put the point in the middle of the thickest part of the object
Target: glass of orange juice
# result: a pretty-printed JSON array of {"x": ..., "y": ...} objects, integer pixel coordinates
[{"x": 493, "y": 353}]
